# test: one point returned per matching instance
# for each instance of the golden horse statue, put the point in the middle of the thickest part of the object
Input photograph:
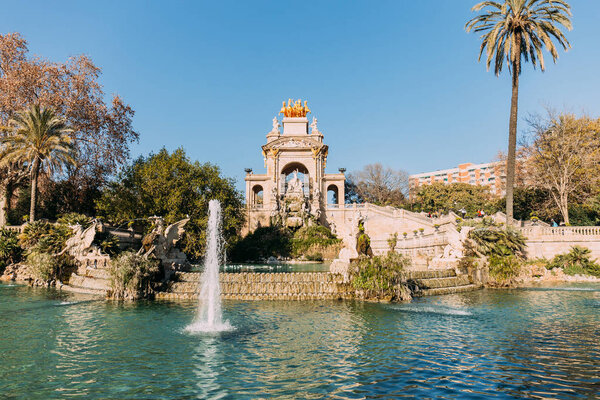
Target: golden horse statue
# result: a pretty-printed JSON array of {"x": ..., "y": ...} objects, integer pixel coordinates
[{"x": 294, "y": 110}]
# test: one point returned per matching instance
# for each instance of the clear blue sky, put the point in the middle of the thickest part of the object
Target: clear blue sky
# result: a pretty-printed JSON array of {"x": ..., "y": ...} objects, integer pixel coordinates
[{"x": 395, "y": 82}]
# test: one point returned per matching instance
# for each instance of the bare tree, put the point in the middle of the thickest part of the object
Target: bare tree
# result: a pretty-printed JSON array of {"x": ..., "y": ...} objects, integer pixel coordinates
[
  {"x": 380, "y": 185},
  {"x": 563, "y": 157}
]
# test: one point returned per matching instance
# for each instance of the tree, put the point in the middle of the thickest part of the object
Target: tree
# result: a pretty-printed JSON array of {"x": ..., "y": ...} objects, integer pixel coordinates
[
  {"x": 530, "y": 202},
  {"x": 170, "y": 185},
  {"x": 516, "y": 30},
  {"x": 101, "y": 132},
  {"x": 453, "y": 197},
  {"x": 40, "y": 140},
  {"x": 379, "y": 185},
  {"x": 564, "y": 158}
]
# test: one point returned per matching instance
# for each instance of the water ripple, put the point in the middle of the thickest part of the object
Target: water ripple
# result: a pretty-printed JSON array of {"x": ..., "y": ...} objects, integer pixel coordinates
[{"x": 485, "y": 344}]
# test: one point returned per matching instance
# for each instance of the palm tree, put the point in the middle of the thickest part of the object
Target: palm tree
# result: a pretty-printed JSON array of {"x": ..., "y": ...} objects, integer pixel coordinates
[
  {"x": 40, "y": 139},
  {"x": 516, "y": 30}
]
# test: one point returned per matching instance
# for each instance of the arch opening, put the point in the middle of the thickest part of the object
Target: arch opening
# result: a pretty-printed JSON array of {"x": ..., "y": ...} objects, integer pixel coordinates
[
  {"x": 333, "y": 194},
  {"x": 295, "y": 171},
  {"x": 257, "y": 196}
]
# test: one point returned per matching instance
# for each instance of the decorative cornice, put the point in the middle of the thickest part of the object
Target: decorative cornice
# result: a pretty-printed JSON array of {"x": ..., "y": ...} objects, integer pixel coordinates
[{"x": 294, "y": 143}]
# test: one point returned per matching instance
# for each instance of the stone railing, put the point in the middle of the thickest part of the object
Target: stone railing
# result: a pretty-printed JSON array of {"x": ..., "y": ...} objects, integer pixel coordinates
[
  {"x": 352, "y": 206},
  {"x": 14, "y": 228},
  {"x": 537, "y": 231},
  {"x": 425, "y": 244}
]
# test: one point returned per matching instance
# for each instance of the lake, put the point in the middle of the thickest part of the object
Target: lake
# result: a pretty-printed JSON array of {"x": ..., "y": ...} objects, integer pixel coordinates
[{"x": 533, "y": 343}]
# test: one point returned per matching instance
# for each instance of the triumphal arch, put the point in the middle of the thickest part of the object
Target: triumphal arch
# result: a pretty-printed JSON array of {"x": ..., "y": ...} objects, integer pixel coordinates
[{"x": 295, "y": 190}]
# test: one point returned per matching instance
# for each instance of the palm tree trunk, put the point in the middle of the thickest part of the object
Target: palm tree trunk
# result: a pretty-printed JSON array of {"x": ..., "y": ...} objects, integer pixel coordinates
[
  {"x": 34, "y": 180},
  {"x": 512, "y": 137},
  {"x": 3, "y": 206}
]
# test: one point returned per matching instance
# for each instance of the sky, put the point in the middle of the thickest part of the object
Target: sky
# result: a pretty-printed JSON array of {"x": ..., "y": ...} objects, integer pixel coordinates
[{"x": 395, "y": 82}]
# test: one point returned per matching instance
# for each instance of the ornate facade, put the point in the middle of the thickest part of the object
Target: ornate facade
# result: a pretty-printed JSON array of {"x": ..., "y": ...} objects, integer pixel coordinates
[{"x": 294, "y": 189}]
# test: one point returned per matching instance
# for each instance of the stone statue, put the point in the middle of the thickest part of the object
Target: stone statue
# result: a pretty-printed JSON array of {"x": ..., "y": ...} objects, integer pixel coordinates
[
  {"x": 317, "y": 194},
  {"x": 161, "y": 241},
  {"x": 313, "y": 126},
  {"x": 276, "y": 125},
  {"x": 81, "y": 243},
  {"x": 274, "y": 200},
  {"x": 332, "y": 227},
  {"x": 295, "y": 185}
]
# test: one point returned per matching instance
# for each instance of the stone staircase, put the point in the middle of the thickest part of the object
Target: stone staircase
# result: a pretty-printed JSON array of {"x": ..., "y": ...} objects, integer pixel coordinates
[
  {"x": 89, "y": 280},
  {"x": 436, "y": 282}
]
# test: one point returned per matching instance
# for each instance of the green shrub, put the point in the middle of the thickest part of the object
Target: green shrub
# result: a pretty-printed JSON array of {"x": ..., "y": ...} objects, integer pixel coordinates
[
  {"x": 309, "y": 237},
  {"x": 46, "y": 237},
  {"x": 504, "y": 268},
  {"x": 10, "y": 251},
  {"x": 379, "y": 276},
  {"x": 495, "y": 241},
  {"x": 314, "y": 257},
  {"x": 131, "y": 275},
  {"x": 107, "y": 242},
  {"x": 392, "y": 241},
  {"x": 75, "y": 219},
  {"x": 264, "y": 242},
  {"x": 44, "y": 266},
  {"x": 363, "y": 245},
  {"x": 576, "y": 261}
]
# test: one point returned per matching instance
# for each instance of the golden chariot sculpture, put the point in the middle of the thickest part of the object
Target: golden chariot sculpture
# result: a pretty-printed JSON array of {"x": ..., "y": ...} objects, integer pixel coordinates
[{"x": 295, "y": 109}]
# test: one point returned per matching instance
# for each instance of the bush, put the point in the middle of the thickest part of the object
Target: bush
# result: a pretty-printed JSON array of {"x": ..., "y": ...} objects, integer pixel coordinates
[
  {"x": 504, "y": 268},
  {"x": 45, "y": 237},
  {"x": 264, "y": 242},
  {"x": 10, "y": 251},
  {"x": 107, "y": 242},
  {"x": 309, "y": 237},
  {"x": 44, "y": 266},
  {"x": 494, "y": 241},
  {"x": 315, "y": 257},
  {"x": 131, "y": 275},
  {"x": 379, "y": 276},
  {"x": 392, "y": 241},
  {"x": 75, "y": 219},
  {"x": 363, "y": 245},
  {"x": 576, "y": 261}
]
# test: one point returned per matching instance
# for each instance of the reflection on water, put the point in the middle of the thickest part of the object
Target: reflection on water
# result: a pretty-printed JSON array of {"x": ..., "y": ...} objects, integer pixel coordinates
[{"x": 492, "y": 343}]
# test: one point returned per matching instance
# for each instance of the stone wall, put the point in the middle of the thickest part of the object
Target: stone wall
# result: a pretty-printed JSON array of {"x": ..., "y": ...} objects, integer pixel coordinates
[
  {"x": 264, "y": 286},
  {"x": 546, "y": 242}
]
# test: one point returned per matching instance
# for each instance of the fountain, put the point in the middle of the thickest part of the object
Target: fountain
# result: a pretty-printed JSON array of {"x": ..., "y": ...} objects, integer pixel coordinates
[{"x": 210, "y": 318}]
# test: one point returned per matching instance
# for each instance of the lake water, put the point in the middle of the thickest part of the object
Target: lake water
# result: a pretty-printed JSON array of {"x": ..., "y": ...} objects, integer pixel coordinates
[{"x": 536, "y": 343}]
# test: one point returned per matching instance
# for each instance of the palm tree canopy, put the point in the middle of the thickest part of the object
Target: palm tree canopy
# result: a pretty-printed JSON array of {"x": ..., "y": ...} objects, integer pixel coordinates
[
  {"x": 38, "y": 134},
  {"x": 520, "y": 28}
]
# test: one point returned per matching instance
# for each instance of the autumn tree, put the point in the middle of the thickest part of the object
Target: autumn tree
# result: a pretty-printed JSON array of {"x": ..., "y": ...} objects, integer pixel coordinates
[
  {"x": 170, "y": 185},
  {"x": 563, "y": 157},
  {"x": 101, "y": 132},
  {"x": 379, "y": 185}
]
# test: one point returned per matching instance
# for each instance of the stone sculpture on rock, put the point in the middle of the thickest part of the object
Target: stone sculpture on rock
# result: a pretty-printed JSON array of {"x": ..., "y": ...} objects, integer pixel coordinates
[
  {"x": 160, "y": 244},
  {"x": 81, "y": 243}
]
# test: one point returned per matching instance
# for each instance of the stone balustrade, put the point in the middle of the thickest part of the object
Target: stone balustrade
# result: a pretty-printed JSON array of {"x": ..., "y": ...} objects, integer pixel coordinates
[
  {"x": 561, "y": 231},
  {"x": 14, "y": 228},
  {"x": 430, "y": 244}
]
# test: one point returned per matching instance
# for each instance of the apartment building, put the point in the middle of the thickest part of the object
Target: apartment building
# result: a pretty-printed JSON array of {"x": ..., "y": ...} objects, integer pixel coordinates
[{"x": 490, "y": 174}]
